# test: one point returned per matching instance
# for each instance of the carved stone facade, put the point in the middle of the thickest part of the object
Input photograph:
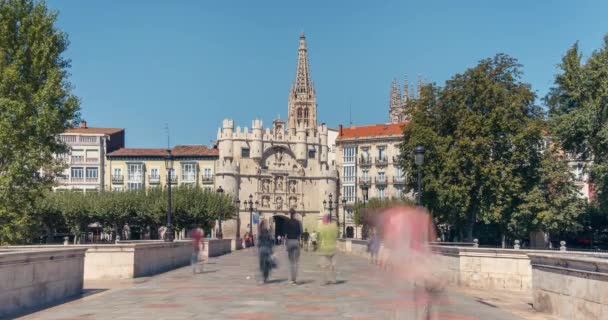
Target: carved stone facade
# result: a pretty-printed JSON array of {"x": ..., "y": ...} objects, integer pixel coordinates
[{"x": 281, "y": 167}]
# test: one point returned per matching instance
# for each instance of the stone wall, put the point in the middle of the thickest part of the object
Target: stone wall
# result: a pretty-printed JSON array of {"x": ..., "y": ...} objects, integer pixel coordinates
[
  {"x": 570, "y": 287},
  {"x": 37, "y": 278},
  {"x": 131, "y": 259}
]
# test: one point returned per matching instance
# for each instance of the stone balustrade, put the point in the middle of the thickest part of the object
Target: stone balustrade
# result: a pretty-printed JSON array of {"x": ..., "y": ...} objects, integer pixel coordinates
[
  {"x": 567, "y": 284},
  {"x": 132, "y": 259},
  {"x": 37, "y": 278}
]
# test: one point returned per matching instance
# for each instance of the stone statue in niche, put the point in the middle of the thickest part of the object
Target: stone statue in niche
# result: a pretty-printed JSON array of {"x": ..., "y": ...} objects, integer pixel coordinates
[
  {"x": 279, "y": 184},
  {"x": 278, "y": 157},
  {"x": 279, "y": 203},
  {"x": 292, "y": 186},
  {"x": 265, "y": 202},
  {"x": 293, "y": 202},
  {"x": 301, "y": 172},
  {"x": 278, "y": 132},
  {"x": 266, "y": 185}
]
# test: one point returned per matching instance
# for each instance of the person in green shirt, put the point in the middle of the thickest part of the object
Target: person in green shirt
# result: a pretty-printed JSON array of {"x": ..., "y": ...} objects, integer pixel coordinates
[{"x": 328, "y": 238}]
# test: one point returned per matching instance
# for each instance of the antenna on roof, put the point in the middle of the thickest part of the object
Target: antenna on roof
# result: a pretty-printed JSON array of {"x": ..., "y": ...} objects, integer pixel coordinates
[
  {"x": 167, "y": 131},
  {"x": 350, "y": 114}
]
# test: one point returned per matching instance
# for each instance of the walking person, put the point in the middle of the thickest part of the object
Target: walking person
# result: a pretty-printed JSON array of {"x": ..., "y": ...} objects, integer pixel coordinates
[
  {"x": 292, "y": 243},
  {"x": 305, "y": 237},
  {"x": 374, "y": 247},
  {"x": 313, "y": 240},
  {"x": 196, "y": 259},
  {"x": 328, "y": 239},
  {"x": 265, "y": 244}
]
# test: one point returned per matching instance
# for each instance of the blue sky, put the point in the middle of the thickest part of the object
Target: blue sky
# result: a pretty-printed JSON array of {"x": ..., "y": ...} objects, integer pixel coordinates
[{"x": 139, "y": 64}]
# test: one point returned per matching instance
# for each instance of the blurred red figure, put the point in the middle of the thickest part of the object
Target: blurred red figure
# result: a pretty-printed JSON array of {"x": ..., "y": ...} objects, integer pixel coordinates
[
  {"x": 406, "y": 253},
  {"x": 196, "y": 260}
]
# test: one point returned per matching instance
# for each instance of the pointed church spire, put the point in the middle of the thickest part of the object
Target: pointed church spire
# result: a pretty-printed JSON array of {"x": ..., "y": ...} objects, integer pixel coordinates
[
  {"x": 303, "y": 84},
  {"x": 419, "y": 86},
  {"x": 395, "y": 98},
  {"x": 302, "y": 102},
  {"x": 405, "y": 89}
]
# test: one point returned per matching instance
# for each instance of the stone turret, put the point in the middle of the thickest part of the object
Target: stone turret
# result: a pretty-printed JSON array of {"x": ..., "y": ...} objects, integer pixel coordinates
[
  {"x": 225, "y": 139},
  {"x": 227, "y": 176},
  {"x": 324, "y": 148},
  {"x": 301, "y": 142},
  {"x": 256, "y": 139}
]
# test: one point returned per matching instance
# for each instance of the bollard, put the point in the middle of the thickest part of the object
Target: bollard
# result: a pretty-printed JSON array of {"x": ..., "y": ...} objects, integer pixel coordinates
[
  {"x": 117, "y": 239},
  {"x": 66, "y": 241},
  {"x": 475, "y": 243},
  {"x": 562, "y": 245},
  {"x": 516, "y": 246}
]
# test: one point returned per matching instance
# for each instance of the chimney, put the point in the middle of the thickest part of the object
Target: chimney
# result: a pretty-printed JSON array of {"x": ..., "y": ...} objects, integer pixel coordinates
[
  {"x": 83, "y": 124},
  {"x": 341, "y": 130}
]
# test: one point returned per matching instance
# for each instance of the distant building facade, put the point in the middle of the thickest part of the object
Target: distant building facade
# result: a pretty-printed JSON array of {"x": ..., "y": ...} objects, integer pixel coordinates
[
  {"x": 144, "y": 168},
  {"x": 86, "y": 159},
  {"x": 282, "y": 167}
]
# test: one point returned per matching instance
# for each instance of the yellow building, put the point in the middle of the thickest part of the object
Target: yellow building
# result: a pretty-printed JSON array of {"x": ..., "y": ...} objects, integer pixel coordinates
[{"x": 143, "y": 168}]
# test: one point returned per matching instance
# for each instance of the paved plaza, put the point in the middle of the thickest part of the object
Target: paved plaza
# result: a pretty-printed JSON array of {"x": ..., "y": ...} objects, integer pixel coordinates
[{"x": 228, "y": 289}]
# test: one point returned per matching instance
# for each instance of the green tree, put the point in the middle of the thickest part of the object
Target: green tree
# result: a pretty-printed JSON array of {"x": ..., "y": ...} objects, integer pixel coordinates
[
  {"x": 578, "y": 109},
  {"x": 35, "y": 106},
  {"x": 482, "y": 133}
]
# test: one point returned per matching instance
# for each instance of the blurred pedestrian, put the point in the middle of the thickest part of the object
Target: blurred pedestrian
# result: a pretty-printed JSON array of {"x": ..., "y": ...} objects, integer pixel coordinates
[
  {"x": 373, "y": 246},
  {"x": 292, "y": 243},
  {"x": 196, "y": 259},
  {"x": 305, "y": 237},
  {"x": 313, "y": 240},
  {"x": 328, "y": 239},
  {"x": 265, "y": 244}
]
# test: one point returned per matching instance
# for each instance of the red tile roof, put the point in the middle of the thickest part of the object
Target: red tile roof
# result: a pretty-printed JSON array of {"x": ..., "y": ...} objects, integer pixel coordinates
[
  {"x": 94, "y": 130},
  {"x": 179, "y": 151},
  {"x": 375, "y": 130}
]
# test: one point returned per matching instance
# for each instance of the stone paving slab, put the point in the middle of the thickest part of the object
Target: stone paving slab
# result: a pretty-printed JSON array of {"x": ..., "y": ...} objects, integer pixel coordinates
[{"x": 228, "y": 289}]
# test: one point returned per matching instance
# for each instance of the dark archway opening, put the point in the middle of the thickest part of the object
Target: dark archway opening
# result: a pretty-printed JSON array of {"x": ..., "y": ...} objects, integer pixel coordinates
[
  {"x": 350, "y": 232},
  {"x": 279, "y": 226}
]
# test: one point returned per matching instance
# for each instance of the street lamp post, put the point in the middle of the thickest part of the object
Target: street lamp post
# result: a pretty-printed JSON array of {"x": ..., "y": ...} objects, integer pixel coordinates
[
  {"x": 331, "y": 207},
  {"x": 365, "y": 193},
  {"x": 419, "y": 160},
  {"x": 251, "y": 209},
  {"x": 238, "y": 218},
  {"x": 169, "y": 167},
  {"x": 220, "y": 193},
  {"x": 343, "y": 218}
]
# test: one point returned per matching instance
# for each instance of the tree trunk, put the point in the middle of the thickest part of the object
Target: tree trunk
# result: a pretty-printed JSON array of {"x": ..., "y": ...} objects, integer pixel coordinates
[{"x": 504, "y": 241}]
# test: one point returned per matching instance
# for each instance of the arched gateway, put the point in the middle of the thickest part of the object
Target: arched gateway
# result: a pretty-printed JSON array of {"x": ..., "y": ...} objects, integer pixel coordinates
[{"x": 286, "y": 166}]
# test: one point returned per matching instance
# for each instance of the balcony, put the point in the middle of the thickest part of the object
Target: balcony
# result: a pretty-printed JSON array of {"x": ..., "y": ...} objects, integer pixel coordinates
[
  {"x": 77, "y": 159},
  {"x": 173, "y": 179},
  {"x": 91, "y": 180},
  {"x": 381, "y": 180},
  {"x": 382, "y": 161},
  {"x": 365, "y": 162},
  {"x": 79, "y": 140},
  {"x": 154, "y": 179},
  {"x": 118, "y": 179},
  {"x": 63, "y": 179},
  {"x": 135, "y": 177},
  {"x": 92, "y": 160},
  {"x": 366, "y": 180},
  {"x": 77, "y": 179},
  {"x": 398, "y": 180},
  {"x": 189, "y": 178},
  {"x": 207, "y": 179}
]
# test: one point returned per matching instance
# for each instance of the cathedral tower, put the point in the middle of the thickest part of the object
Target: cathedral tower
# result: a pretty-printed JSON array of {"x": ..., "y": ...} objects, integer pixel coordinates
[
  {"x": 302, "y": 97},
  {"x": 395, "y": 105}
]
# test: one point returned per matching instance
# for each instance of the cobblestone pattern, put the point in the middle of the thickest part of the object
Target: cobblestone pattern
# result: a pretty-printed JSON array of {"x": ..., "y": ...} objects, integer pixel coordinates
[{"x": 228, "y": 289}]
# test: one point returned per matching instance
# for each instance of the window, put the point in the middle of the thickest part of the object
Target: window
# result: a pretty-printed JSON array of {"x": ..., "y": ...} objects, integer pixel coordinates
[
  {"x": 349, "y": 174},
  {"x": 245, "y": 153},
  {"x": 189, "y": 172},
  {"x": 381, "y": 193},
  {"x": 207, "y": 173},
  {"x": 399, "y": 192},
  {"x": 135, "y": 172},
  {"x": 349, "y": 216},
  {"x": 312, "y": 154},
  {"x": 382, "y": 153},
  {"x": 135, "y": 186},
  {"x": 364, "y": 173},
  {"x": 349, "y": 193},
  {"x": 365, "y": 153},
  {"x": 381, "y": 176},
  {"x": 117, "y": 172},
  {"x": 154, "y": 173},
  {"x": 348, "y": 154},
  {"x": 91, "y": 173},
  {"x": 77, "y": 173}
]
